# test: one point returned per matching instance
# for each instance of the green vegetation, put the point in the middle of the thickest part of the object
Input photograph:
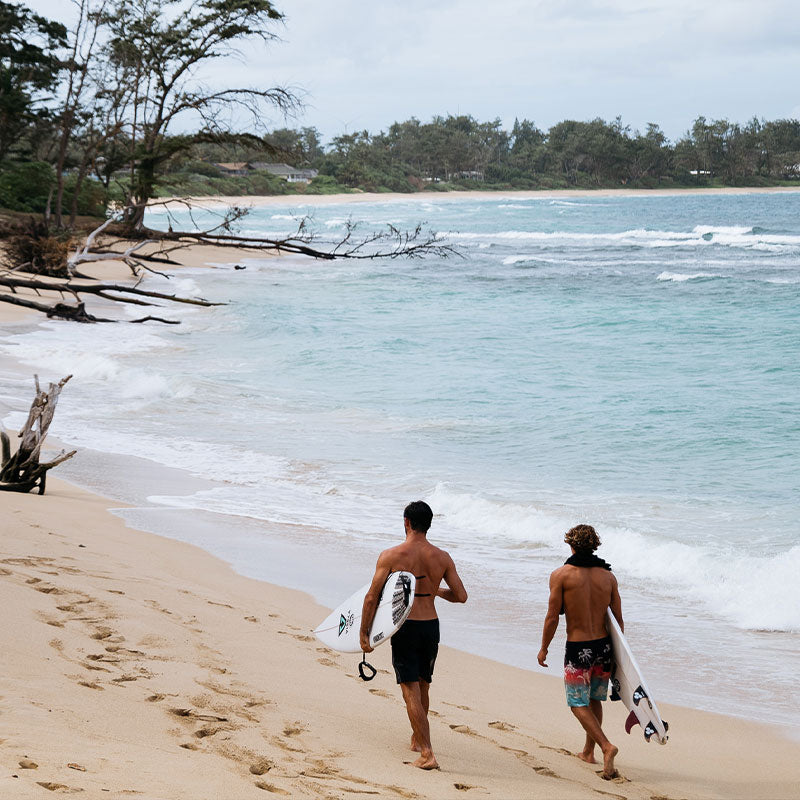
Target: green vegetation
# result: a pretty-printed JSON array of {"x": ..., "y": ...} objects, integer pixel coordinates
[{"x": 87, "y": 117}]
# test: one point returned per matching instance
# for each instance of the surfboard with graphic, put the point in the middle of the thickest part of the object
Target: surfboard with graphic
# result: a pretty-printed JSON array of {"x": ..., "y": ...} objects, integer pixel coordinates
[
  {"x": 628, "y": 685},
  {"x": 340, "y": 629}
]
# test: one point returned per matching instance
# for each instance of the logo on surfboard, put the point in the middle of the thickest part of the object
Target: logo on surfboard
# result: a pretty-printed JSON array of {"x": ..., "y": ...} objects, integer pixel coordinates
[{"x": 346, "y": 622}]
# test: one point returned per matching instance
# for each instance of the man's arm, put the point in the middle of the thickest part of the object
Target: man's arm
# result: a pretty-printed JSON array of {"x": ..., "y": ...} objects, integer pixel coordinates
[
  {"x": 554, "y": 607},
  {"x": 382, "y": 570},
  {"x": 616, "y": 604},
  {"x": 455, "y": 593}
]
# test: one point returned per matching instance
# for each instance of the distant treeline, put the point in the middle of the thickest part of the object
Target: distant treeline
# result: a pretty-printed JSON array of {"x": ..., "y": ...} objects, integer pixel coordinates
[
  {"x": 89, "y": 114},
  {"x": 461, "y": 152}
]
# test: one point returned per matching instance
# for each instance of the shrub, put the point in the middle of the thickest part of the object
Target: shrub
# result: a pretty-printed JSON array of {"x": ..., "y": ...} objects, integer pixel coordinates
[
  {"x": 29, "y": 242},
  {"x": 26, "y": 187}
]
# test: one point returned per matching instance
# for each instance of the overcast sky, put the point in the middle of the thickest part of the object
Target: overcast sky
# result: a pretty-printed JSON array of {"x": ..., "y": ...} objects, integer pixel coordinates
[{"x": 364, "y": 64}]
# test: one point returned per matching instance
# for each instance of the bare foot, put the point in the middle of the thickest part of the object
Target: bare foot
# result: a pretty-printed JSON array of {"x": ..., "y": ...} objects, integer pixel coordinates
[
  {"x": 414, "y": 746},
  {"x": 426, "y": 762},
  {"x": 587, "y": 757},
  {"x": 609, "y": 753}
]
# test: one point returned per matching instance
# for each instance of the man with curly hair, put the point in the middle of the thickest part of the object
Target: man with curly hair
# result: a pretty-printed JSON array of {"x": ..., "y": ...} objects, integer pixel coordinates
[{"x": 582, "y": 590}]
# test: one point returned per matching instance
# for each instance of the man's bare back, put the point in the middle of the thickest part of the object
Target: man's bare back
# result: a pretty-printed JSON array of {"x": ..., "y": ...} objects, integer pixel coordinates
[
  {"x": 583, "y": 590},
  {"x": 416, "y": 644},
  {"x": 585, "y": 596},
  {"x": 430, "y": 565}
]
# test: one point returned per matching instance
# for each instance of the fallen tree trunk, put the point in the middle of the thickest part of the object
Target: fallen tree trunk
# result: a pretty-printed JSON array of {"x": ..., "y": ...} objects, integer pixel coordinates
[
  {"x": 22, "y": 471},
  {"x": 389, "y": 242}
]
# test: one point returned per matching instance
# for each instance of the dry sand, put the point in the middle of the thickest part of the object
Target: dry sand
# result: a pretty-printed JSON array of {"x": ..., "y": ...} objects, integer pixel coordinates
[{"x": 117, "y": 272}]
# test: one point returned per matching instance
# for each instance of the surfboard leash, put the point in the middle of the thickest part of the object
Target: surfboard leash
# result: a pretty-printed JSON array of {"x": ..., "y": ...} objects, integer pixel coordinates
[{"x": 364, "y": 668}]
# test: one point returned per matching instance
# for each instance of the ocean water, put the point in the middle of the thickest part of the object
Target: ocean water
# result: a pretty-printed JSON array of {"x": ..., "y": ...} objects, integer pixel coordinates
[{"x": 631, "y": 362}]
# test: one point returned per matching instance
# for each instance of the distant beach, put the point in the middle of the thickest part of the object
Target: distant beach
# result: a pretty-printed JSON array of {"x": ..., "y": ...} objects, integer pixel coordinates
[{"x": 543, "y": 194}]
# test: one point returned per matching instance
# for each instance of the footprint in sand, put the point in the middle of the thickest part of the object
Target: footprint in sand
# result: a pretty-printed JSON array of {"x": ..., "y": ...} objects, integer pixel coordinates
[
  {"x": 91, "y": 685},
  {"x": 207, "y": 730},
  {"x": 294, "y": 729},
  {"x": 268, "y": 787},
  {"x": 48, "y": 589},
  {"x": 502, "y": 726},
  {"x": 454, "y": 705},
  {"x": 616, "y": 778},
  {"x": 463, "y": 729},
  {"x": 380, "y": 693},
  {"x": 57, "y": 787},
  {"x": 327, "y": 662},
  {"x": 261, "y": 766}
]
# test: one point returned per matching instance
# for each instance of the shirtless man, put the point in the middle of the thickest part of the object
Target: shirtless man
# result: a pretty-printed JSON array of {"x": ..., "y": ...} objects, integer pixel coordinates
[
  {"x": 582, "y": 590},
  {"x": 415, "y": 645}
]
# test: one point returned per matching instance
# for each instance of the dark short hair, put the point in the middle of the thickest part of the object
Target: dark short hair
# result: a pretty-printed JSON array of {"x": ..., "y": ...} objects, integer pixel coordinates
[
  {"x": 583, "y": 537},
  {"x": 419, "y": 515}
]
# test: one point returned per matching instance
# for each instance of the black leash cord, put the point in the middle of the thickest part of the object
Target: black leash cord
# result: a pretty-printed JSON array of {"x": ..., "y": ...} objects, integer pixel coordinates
[{"x": 364, "y": 667}]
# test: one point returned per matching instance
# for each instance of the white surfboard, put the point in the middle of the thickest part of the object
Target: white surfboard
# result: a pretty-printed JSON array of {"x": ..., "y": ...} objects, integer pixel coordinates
[
  {"x": 340, "y": 629},
  {"x": 628, "y": 685}
]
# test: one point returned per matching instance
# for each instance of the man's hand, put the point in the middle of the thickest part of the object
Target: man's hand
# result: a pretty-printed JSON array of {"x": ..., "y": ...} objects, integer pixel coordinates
[
  {"x": 542, "y": 656},
  {"x": 364, "y": 641}
]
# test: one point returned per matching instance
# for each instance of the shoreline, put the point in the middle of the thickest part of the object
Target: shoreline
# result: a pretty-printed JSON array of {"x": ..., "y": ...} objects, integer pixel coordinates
[
  {"x": 160, "y": 670},
  {"x": 426, "y": 197}
]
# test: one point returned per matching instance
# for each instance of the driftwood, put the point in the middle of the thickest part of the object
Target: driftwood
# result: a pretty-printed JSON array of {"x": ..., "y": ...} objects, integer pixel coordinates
[
  {"x": 388, "y": 242},
  {"x": 122, "y": 243},
  {"x": 22, "y": 472}
]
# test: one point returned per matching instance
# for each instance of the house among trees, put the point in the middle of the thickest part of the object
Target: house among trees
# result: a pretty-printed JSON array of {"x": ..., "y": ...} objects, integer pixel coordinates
[
  {"x": 232, "y": 168},
  {"x": 285, "y": 171}
]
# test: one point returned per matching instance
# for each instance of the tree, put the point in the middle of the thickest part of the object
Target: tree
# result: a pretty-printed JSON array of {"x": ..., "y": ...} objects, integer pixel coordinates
[
  {"x": 157, "y": 47},
  {"x": 29, "y": 68},
  {"x": 75, "y": 114},
  {"x": 528, "y": 149}
]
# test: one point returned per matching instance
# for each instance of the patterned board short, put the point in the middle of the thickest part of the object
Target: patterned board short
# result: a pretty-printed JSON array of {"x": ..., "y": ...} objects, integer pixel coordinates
[{"x": 587, "y": 669}]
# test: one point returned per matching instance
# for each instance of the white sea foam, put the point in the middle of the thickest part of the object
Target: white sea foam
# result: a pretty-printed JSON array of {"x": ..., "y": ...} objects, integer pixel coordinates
[
  {"x": 700, "y": 236},
  {"x": 679, "y": 277},
  {"x": 511, "y": 260},
  {"x": 750, "y": 591}
]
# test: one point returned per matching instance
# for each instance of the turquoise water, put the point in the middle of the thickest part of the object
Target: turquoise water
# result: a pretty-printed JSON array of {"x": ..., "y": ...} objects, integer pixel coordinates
[{"x": 631, "y": 362}]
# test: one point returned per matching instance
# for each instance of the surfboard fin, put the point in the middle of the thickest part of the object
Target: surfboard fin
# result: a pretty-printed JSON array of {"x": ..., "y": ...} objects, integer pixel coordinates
[
  {"x": 639, "y": 695},
  {"x": 631, "y": 721}
]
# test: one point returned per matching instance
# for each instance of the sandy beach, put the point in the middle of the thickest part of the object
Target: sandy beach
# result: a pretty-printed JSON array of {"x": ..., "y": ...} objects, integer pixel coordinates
[
  {"x": 138, "y": 666},
  {"x": 449, "y": 197}
]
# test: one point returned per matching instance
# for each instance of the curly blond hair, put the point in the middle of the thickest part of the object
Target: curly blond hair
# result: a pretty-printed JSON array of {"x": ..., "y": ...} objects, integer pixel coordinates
[{"x": 583, "y": 537}]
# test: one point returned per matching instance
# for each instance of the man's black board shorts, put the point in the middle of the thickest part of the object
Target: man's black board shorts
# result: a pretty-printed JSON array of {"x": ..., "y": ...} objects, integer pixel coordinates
[{"x": 414, "y": 650}]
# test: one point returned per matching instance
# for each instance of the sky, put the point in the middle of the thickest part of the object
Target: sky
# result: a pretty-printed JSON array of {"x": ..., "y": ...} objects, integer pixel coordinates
[{"x": 363, "y": 64}]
